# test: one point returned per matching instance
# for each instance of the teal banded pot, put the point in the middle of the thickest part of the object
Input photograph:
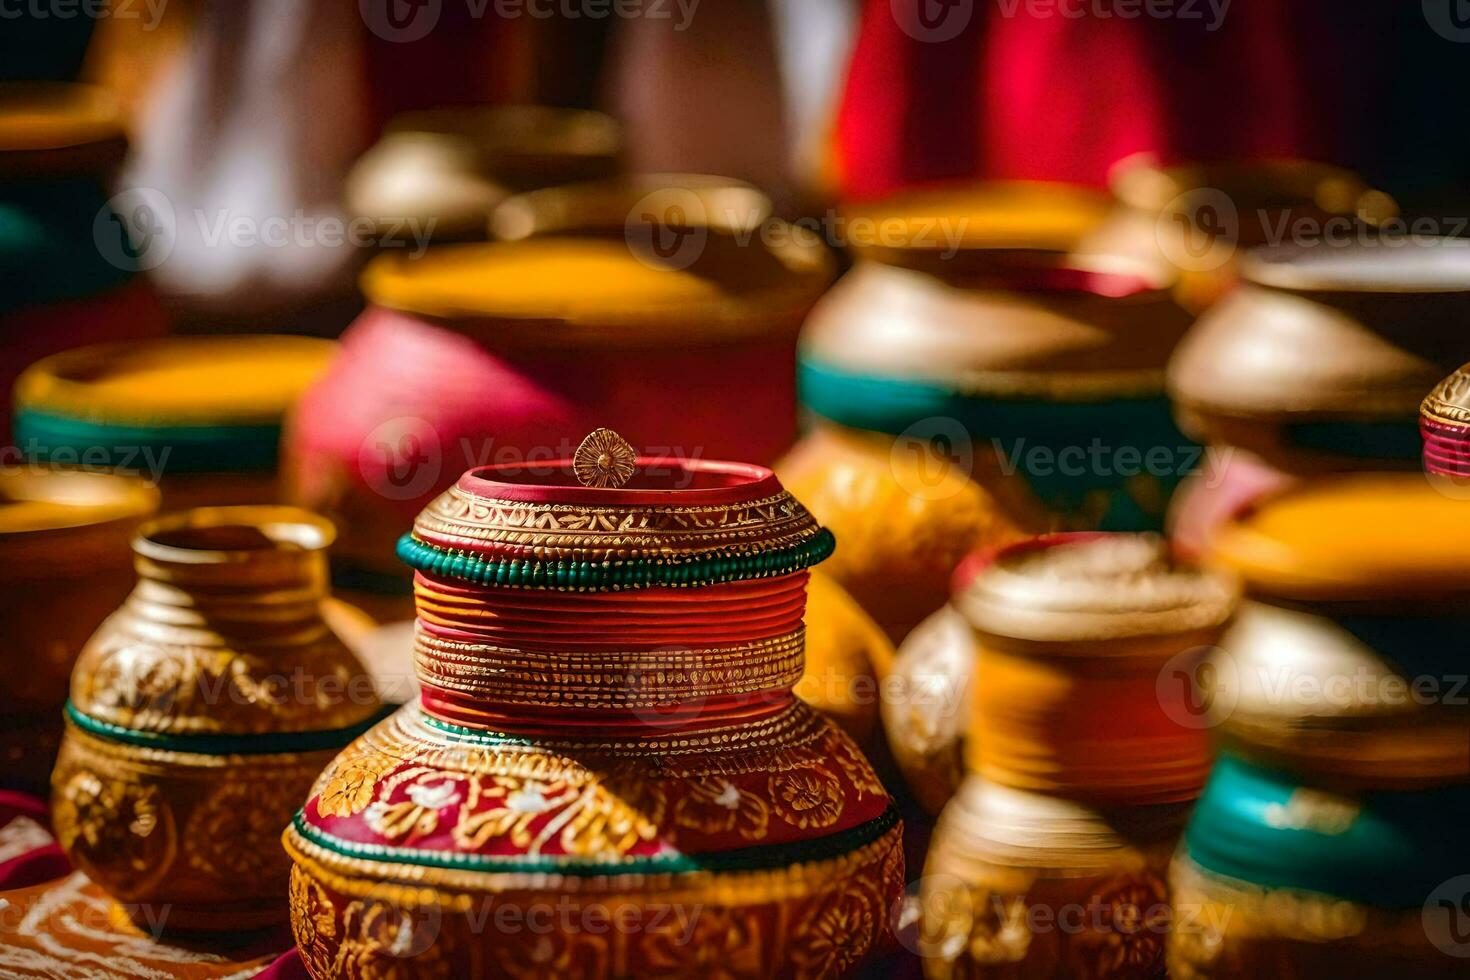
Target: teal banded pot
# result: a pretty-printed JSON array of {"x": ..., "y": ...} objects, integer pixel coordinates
[
  {"x": 200, "y": 711},
  {"x": 1329, "y": 841},
  {"x": 200, "y": 416},
  {"x": 963, "y": 396},
  {"x": 67, "y": 268},
  {"x": 1316, "y": 364}
]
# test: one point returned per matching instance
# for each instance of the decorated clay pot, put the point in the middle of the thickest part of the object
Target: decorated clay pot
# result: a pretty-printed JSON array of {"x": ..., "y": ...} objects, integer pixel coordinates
[
  {"x": 1081, "y": 763},
  {"x": 1327, "y": 842},
  {"x": 1444, "y": 424},
  {"x": 65, "y": 565},
  {"x": 1316, "y": 364},
  {"x": 200, "y": 712},
  {"x": 442, "y": 172},
  {"x": 1001, "y": 384},
  {"x": 66, "y": 267},
  {"x": 199, "y": 416},
  {"x": 491, "y": 353},
  {"x": 1195, "y": 218},
  {"x": 606, "y": 727}
]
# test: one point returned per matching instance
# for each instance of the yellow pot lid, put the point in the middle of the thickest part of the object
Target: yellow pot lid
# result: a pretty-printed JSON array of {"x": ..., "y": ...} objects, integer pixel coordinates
[
  {"x": 36, "y": 500},
  {"x": 607, "y": 288},
  {"x": 1140, "y": 182},
  {"x": 247, "y": 380},
  {"x": 1025, "y": 215},
  {"x": 46, "y": 125},
  {"x": 1350, "y": 538}
]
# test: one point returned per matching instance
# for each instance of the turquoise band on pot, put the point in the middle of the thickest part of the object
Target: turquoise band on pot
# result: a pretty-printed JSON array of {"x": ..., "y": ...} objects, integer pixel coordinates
[
  {"x": 52, "y": 236},
  {"x": 1387, "y": 850},
  {"x": 262, "y": 743},
  {"x": 762, "y": 858},
  {"x": 694, "y": 571},
  {"x": 1108, "y": 465},
  {"x": 150, "y": 449}
]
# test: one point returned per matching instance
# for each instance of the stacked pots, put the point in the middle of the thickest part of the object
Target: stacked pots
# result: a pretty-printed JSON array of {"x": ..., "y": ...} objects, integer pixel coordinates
[
  {"x": 65, "y": 565},
  {"x": 606, "y": 733},
  {"x": 973, "y": 380},
  {"x": 66, "y": 263},
  {"x": 200, "y": 417},
  {"x": 200, "y": 711},
  {"x": 491, "y": 353},
  {"x": 441, "y": 172},
  {"x": 1330, "y": 839},
  {"x": 1317, "y": 363},
  {"x": 1050, "y": 860}
]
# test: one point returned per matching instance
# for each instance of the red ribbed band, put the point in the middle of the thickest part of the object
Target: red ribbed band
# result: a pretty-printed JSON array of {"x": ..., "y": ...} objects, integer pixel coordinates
[
  {"x": 1446, "y": 448},
  {"x": 508, "y": 658}
]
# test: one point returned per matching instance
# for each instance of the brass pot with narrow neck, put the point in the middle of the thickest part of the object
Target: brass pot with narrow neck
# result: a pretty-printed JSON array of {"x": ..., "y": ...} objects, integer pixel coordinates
[{"x": 201, "y": 710}]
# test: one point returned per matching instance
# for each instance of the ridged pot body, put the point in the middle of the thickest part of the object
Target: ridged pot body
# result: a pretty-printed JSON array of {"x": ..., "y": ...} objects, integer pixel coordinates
[{"x": 200, "y": 711}]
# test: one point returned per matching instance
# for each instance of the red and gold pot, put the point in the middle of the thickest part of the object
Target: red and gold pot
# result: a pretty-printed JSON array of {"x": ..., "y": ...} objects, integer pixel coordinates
[
  {"x": 67, "y": 268},
  {"x": 64, "y": 566},
  {"x": 1315, "y": 364},
  {"x": 200, "y": 711},
  {"x": 1082, "y": 760},
  {"x": 1444, "y": 425},
  {"x": 491, "y": 353},
  {"x": 606, "y": 647}
]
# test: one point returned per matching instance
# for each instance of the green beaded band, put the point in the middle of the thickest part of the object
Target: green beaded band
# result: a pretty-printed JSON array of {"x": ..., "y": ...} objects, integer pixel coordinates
[
  {"x": 260, "y": 743},
  {"x": 709, "y": 568},
  {"x": 762, "y": 858}
]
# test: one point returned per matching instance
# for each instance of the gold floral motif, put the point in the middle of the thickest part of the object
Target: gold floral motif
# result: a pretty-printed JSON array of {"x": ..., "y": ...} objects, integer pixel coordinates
[
  {"x": 349, "y": 787},
  {"x": 604, "y": 459},
  {"x": 233, "y": 832},
  {"x": 807, "y": 798},
  {"x": 856, "y": 767},
  {"x": 521, "y": 802},
  {"x": 719, "y": 944},
  {"x": 1127, "y": 942},
  {"x": 120, "y": 832},
  {"x": 314, "y": 923},
  {"x": 835, "y": 936},
  {"x": 383, "y": 941},
  {"x": 554, "y": 954},
  {"x": 428, "y": 791},
  {"x": 613, "y": 817},
  {"x": 717, "y": 806}
]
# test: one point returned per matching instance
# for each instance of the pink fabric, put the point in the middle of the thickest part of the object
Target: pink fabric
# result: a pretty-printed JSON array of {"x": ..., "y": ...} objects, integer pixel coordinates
[
  {"x": 25, "y": 856},
  {"x": 1205, "y": 501},
  {"x": 287, "y": 967}
]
